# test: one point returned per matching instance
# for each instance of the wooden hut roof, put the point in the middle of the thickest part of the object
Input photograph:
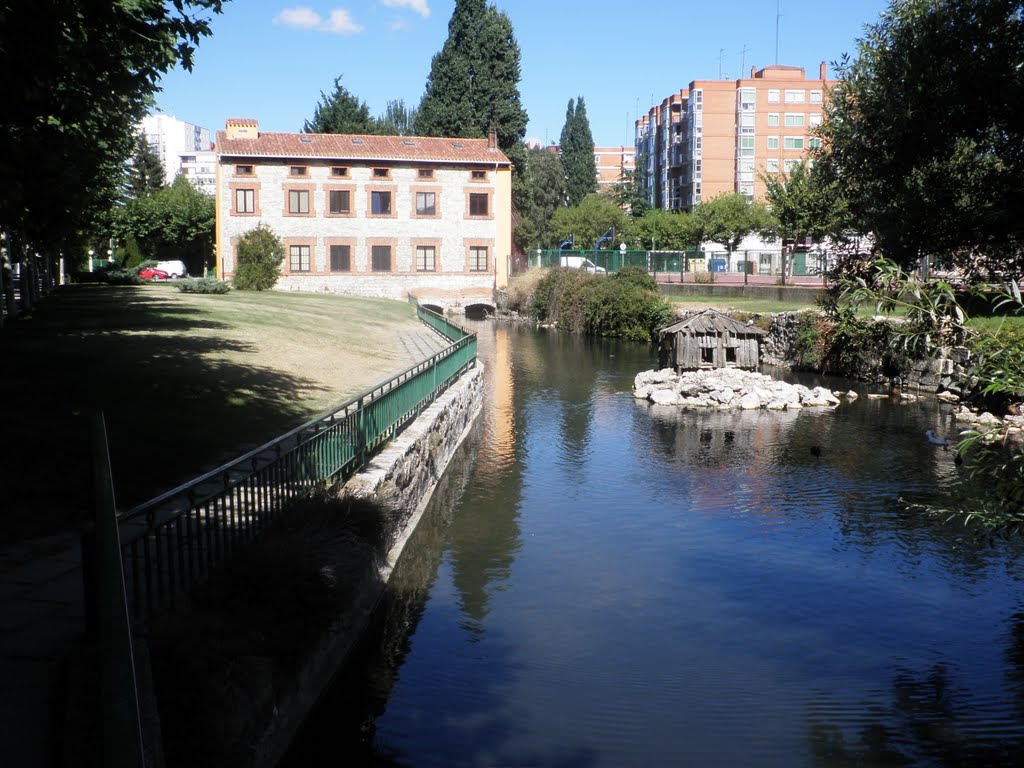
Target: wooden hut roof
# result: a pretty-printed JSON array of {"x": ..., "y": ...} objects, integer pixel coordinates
[{"x": 711, "y": 321}]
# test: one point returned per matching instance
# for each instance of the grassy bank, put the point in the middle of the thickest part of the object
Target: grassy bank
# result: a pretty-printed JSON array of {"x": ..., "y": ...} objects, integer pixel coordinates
[{"x": 186, "y": 382}]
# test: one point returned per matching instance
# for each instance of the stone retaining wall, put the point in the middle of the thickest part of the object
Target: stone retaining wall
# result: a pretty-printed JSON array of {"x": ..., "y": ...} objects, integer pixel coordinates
[{"x": 402, "y": 476}]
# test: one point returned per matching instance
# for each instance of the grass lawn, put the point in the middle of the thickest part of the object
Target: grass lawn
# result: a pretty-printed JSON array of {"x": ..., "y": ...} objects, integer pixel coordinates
[
  {"x": 743, "y": 304},
  {"x": 186, "y": 382}
]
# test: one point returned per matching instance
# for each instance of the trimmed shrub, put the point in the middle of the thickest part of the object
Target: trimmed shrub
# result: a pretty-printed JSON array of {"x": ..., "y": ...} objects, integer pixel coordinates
[
  {"x": 260, "y": 253},
  {"x": 122, "y": 277},
  {"x": 203, "y": 285}
]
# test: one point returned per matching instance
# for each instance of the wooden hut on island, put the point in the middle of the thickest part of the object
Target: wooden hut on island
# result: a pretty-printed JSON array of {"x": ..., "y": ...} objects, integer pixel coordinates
[{"x": 709, "y": 339}]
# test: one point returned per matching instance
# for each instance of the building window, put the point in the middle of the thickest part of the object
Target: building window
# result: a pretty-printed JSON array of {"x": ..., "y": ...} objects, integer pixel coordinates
[
  {"x": 244, "y": 170},
  {"x": 339, "y": 201},
  {"x": 813, "y": 121},
  {"x": 789, "y": 164},
  {"x": 478, "y": 204},
  {"x": 298, "y": 258},
  {"x": 425, "y": 173},
  {"x": 380, "y": 258},
  {"x": 814, "y": 143},
  {"x": 794, "y": 119},
  {"x": 380, "y": 204},
  {"x": 747, "y": 119},
  {"x": 793, "y": 142},
  {"x": 748, "y": 97},
  {"x": 815, "y": 97},
  {"x": 478, "y": 258},
  {"x": 338, "y": 171},
  {"x": 382, "y": 173},
  {"x": 773, "y": 142},
  {"x": 245, "y": 201},
  {"x": 482, "y": 175},
  {"x": 771, "y": 165},
  {"x": 341, "y": 258},
  {"x": 425, "y": 258},
  {"x": 794, "y": 96},
  {"x": 773, "y": 95},
  {"x": 426, "y": 203},
  {"x": 773, "y": 119},
  {"x": 298, "y": 201},
  {"x": 298, "y": 170}
]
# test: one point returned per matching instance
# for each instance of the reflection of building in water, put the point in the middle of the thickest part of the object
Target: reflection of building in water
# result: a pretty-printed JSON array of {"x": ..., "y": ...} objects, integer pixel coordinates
[{"x": 494, "y": 349}]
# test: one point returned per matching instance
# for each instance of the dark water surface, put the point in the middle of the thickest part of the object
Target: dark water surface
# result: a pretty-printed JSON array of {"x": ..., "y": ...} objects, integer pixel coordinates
[{"x": 602, "y": 582}]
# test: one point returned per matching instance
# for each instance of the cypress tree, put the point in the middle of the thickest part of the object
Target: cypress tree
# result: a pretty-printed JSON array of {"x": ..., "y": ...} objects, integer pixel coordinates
[
  {"x": 341, "y": 112},
  {"x": 578, "y": 153}
]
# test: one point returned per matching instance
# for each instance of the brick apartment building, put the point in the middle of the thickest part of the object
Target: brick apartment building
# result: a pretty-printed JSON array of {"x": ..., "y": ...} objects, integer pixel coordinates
[
  {"x": 611, "y": 163},
  {"x": 382, "y": 216},
  {"x": 718, "y": 136}
]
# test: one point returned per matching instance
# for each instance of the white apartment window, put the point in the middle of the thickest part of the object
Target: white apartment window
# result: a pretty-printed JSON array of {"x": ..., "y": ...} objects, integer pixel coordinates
[
  {"x": 747, "y": 131},
  {"x": 747, "y": 118},
  {"x": 698, "y": 99},
  {"x": 748, "y": 97},
  {"x": 814, "y": 143},
  {"x": 773, "y": 95},
  {"x": 697, "y": 165},
  {"x": 815, "y": 97},
  {"x": 746, "y": 165},
  {"x": 746, "y": 142},
  {"x": 789, "y": 164},
  {"x": 794, "y": 119},
  {"x": 771, "y": 165},
  {"x": 795, "y": 96},
  {"x": 814, "y": 120},
  {"x": 773, "y": 142},
  {"x": 793, "y": 142},
  {"x": 773, "y": 119}
]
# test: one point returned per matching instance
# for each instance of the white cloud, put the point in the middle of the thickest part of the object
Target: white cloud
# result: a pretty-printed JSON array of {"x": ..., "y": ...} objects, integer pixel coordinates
[
  {"x": 302, "y": 17},
  {"x": 339, "y": 21},
  {"x": 420, "y": 6},
  {"x": 398, "y": 24}
]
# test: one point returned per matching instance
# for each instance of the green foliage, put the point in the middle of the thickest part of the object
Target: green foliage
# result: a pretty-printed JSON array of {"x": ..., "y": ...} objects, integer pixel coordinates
[
  {"x": 664, "y": 230},
  {"x": 145, "y": 172},
  {"x": 67, "y": 127},
  {"x": 864, "y": 348},
  {"x": 178, "y": 216},
  {"x": 397, "y": 120},
  {"x": 341, "y": 112},
  {"x": 808, "y": 343},
  {"x": 922, "y": 180},
  {"x": 629, "y": 191},
  {"x": 598, "y": 305},
  {"x": 203, "y": 285},
  {"x": 727, "y": 219},
  {"x": 545, "y": 183},
  {"x": 122, "y": 277},
  {"x": 577, "y": 151},
  {"x": 804, "y": 204},
  {"x": 260, "y": 253},
  {"x": 473, "y": 86},
  {"x": 587, "y": 221},
  {"x": 997, "y": 362}
]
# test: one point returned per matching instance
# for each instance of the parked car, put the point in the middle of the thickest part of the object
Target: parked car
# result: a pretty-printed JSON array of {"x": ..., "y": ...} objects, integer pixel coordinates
[
  {"x": 174, "y": 268},
  {"x": 152, "y": 273},
  {"x": 578, "y": 262}
]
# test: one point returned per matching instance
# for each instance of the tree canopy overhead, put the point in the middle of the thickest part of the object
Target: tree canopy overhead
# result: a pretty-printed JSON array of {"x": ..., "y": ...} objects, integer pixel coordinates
[
  {"x": 341, "y": 112},
  {"x": 577, "y": 147},
  {"x": 926, "y": 133},
  {"x": 77, "y": 79}
]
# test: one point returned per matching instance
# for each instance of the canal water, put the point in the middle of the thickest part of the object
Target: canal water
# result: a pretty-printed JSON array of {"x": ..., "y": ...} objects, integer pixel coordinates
[{"x": 603, "y": 582}]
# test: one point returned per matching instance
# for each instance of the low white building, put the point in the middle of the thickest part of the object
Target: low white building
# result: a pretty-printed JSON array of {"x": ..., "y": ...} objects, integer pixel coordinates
[
  {"x": 382, "y": 216},
  {"x": 200, "y": 168},
  {"x": 171, "y": 138}
]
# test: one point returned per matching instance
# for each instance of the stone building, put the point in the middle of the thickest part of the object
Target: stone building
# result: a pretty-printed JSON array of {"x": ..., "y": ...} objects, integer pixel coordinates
[{"x": 383, "y": 216}]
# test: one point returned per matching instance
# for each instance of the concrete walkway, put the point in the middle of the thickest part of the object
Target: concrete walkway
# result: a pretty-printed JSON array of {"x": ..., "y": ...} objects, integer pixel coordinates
[{"x": 42, "y": 619}]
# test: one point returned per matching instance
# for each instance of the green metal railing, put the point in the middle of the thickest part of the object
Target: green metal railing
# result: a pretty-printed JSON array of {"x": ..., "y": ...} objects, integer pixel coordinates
[{"x": 170, "y": 543}]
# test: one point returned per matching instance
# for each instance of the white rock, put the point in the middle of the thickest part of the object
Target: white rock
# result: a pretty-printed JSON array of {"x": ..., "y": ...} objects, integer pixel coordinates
[
  {"x": 851, "y": 395},
  {"x": 750, "y": 402},
  {"x": 665, "y": 397}
]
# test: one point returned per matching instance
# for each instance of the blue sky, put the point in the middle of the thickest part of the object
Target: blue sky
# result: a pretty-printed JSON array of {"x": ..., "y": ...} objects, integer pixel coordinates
[{"x": 270, "y": 59}]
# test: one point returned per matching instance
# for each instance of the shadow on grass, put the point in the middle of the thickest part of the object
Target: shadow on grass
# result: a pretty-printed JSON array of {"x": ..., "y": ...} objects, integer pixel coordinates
[{"x": 175, "y": 404}]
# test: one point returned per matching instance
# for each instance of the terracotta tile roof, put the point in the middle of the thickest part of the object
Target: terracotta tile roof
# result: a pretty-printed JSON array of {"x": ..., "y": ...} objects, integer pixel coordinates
[
  {"x": 243, "y": 122},
  {"x": 337, "y": 146}
]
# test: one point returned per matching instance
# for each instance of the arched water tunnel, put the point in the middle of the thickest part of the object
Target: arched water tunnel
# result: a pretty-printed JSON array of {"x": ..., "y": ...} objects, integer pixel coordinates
[
  {"x": 434, "y": 308},
  {"x": 479, "y": 311}
]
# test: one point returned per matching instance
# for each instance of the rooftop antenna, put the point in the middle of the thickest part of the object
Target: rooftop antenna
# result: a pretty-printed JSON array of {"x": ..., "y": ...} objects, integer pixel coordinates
[
  {"x": 778, "y": 17},
  {"x": 743, "y": 60},
  {"x": 720, "y": 52}
]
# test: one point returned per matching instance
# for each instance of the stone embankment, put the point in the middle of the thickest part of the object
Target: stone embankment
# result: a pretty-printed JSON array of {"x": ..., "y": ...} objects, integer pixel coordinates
[{"x": 728, "y": 388}]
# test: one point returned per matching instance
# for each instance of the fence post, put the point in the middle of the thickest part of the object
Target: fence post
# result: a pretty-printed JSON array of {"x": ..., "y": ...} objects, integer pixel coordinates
[{"x": 122, "y": 727}]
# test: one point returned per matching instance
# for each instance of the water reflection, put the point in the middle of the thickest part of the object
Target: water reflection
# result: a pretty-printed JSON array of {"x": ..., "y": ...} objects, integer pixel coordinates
[{"x": 603, "y": 582}]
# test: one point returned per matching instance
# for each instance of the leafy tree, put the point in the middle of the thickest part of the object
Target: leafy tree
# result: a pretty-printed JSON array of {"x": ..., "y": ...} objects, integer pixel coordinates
[
  {"x": 397, "y": 120},
  {"x": 260, "y": 253},
  {"x": 545, "y": 184},
  {"x": 178, "y": 218},
  {"x": 577, "y": 147},
  {"x": 588, "y": 221},
  {"x": 629, "y": 190},
  {"x": 664, "y": 230},
  {"x": 341, "y": 112},
  {"x": 729, "y": 218},
  {"x": 473, "y": 86},
  {"x": 145, "y": 172},
  {"x": 926, "y": 131},
  {"x": 67, "y": 127}
]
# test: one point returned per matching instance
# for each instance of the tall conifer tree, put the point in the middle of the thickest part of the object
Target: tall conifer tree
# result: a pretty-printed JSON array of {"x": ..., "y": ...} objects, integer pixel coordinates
[
  {"x": 578, "y": 153},
  {"x": 474, "y": 85}
]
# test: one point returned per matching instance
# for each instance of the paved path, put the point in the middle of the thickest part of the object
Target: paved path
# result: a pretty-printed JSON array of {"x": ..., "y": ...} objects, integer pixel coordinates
[{"x": 42, "y": 618}]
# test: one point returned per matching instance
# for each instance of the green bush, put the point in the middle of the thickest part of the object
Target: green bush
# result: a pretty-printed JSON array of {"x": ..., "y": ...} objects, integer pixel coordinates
[
  {"x": 260, "y": 253},
  {"x": 808, "y": 345},
  {"x": 122, "y": 277},
  {"x": 998, "y": 362},
  {"x": 203, "y": 285}
]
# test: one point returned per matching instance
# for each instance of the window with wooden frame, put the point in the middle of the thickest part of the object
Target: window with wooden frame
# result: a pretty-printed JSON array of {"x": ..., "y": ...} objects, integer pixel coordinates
[
  {"x": 244, "y": 170},
  {"x": 478, "y": 204},
  {"x": 382, "y": 173},
  {"x": 380, "y": 203},
  {"x": 426, "y": 258},
  {"x": 245, "y": 201},
  {"x": 478, "y": 175},
  {"x": 380, "y": 258},
  {"x": 426, "y": 203},
  {"x": 478, "y": 258},
  {"x": 298, "y": 170},
  {"x": 338, "y": 171},
  {"x": 298, "y": 258},
  {"x": 298, "y": 201},
  {"x": 339, "y": 201},
  {"x": 425, "y": 173}
]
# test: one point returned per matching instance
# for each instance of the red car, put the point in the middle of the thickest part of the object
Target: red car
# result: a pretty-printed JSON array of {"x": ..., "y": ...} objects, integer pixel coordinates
[{"x": 152, "y": 273}]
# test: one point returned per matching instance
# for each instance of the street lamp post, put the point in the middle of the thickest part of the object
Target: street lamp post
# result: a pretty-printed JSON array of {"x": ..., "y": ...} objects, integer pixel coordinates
[{"x": 91, "y": 252}]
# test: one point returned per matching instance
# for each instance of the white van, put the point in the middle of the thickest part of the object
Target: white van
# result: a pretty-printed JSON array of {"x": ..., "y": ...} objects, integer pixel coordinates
[
  {"x": 174, "y": 269},
  {"x": 578, "y": 262}
]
